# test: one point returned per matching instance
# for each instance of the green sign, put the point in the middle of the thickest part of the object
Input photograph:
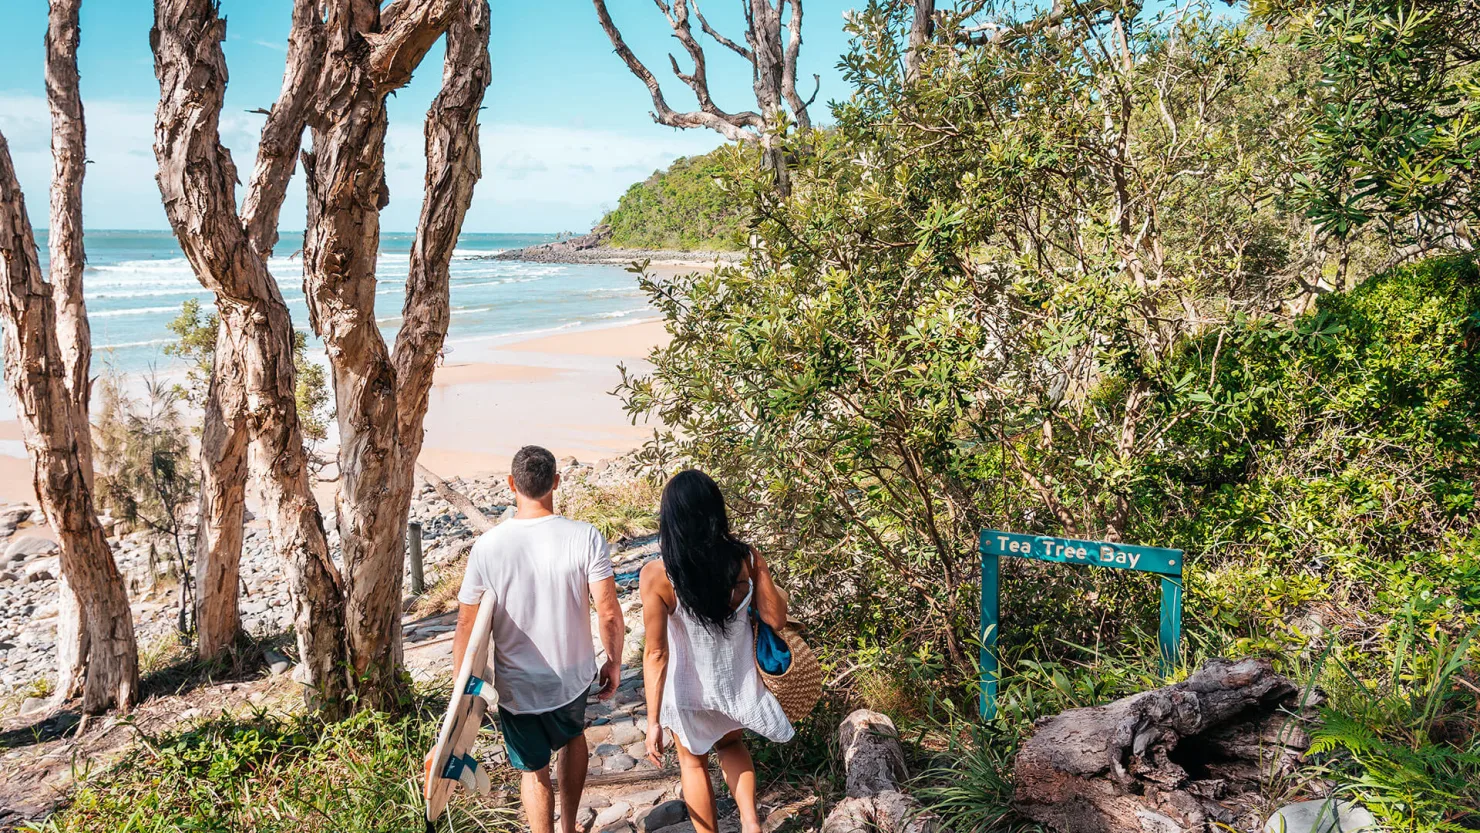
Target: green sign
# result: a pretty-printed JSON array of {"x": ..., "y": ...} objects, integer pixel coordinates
[{"x": 994, "y": 545}]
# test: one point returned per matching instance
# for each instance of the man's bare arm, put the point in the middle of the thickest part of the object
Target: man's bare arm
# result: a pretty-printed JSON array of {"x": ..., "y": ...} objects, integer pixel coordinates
[
  {"x": 613, "y": 630},
  {"x": 466, "y": 616}
]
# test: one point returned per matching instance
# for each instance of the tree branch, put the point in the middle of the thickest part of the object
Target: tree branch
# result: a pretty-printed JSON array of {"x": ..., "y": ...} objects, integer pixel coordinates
[
  {"x": 996, "y": 34},
  {"x": 721, "y": 39},
  {"x": 738, "y": 127},
  {"x": 277, "y": 151},
  {"x": 408, "y": 28},
  {"x": 789, "y": 67}
]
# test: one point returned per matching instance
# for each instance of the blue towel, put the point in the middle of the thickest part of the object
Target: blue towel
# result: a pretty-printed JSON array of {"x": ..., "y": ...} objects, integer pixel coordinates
[{"x": 771, "y": 653}]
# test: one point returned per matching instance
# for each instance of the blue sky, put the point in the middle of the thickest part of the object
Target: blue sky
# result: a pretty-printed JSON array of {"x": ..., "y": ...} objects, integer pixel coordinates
[{"x": 565, "y": 129}]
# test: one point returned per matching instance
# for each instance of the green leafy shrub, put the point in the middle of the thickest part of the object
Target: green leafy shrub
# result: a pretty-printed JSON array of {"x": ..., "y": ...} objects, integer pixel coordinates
[
  {"x": 682, "y": 207},
  {"x": 1332, "y": 463},
  {"x": 1407, "y": 743}
]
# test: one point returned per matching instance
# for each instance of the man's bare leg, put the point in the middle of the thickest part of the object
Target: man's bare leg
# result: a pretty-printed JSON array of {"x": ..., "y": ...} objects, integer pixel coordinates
[
  {"x": 539, "y": 801},
  {"x": 572, "y": 768}
]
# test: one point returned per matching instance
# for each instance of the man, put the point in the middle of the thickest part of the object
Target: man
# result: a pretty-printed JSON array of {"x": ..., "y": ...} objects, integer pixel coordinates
[{"x": 540, "y": 569}]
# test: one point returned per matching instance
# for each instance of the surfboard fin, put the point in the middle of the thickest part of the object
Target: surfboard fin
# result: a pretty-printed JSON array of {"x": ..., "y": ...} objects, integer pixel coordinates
[
  {"x": 478, "y": 687},
  {"x": 473, "y": 777}
]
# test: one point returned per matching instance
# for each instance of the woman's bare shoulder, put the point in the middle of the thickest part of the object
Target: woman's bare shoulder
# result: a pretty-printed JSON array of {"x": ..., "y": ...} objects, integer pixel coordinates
[{"x": 654, "y": 576}]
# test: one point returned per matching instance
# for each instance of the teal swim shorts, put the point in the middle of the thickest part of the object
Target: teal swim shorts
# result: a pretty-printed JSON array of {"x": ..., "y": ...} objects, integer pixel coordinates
[{"x": 531, "y": 739}]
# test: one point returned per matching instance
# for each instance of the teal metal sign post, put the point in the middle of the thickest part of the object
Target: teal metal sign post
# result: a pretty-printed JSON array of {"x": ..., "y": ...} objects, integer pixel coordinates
[{"x": 994, "y": 545}]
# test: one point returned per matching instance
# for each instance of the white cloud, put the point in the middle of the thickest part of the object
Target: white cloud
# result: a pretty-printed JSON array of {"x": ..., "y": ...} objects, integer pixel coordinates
[{"x": 535, "y": 177}]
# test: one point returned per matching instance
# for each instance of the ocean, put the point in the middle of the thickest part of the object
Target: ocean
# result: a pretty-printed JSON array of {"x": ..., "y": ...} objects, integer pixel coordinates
[{"x": 136, "y": 282}]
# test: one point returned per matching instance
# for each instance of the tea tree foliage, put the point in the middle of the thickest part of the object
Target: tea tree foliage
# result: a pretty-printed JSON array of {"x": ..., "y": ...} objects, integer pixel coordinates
[
  {"x": 1395, "y": 136},
  {"x": 197, "y": 332},
  {"x": 965, "y": 313}
]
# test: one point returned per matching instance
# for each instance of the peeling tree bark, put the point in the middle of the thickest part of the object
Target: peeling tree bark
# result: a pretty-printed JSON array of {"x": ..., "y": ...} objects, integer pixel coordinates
[
  {"x": 221, "y": 511},
  {"x": 66, "y": 262},
  {"x": 1191, "y": 756},
  {"x": 36, "y": 376},
  {"x": 224, "y": 443},
  {"x": 381, "y": 397},
  {"x": 922, "y": 29},
  {"x": 197, "y": 180}
]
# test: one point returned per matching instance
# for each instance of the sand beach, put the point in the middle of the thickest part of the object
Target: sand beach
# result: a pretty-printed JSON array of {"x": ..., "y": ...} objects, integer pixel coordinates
[{"x": 492, "y": 396}]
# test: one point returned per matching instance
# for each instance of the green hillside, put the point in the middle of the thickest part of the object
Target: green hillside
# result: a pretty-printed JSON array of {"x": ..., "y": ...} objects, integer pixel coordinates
[{"x": 678, "y": 208}]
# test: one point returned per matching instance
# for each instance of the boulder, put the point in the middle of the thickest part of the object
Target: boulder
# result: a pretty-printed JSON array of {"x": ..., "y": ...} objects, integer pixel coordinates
[
  {"x": 660, "y": 816},
  {"x": 277, "y": 664},
  {"x": 1321, "y": 816},
  {"x": 24, "y": 549}
]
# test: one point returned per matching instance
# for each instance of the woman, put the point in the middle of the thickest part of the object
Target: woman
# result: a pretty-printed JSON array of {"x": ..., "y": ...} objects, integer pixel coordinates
[{"x": 699, "y": 660}]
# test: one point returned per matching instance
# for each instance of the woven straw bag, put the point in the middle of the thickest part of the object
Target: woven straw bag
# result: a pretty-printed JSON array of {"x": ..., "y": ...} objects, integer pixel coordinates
[{"x": 799, "y": 687}]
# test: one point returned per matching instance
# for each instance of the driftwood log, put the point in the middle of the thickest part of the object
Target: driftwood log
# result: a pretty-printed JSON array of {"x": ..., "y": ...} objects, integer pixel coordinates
[
  {"x": 874, "y": 762},
  {"x": 1180, "y": 758},
  {"x": 457, "y": 500}
]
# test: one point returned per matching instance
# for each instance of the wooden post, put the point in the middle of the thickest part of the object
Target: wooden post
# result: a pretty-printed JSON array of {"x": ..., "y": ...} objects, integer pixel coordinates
[{"x": 418, "y": 582}]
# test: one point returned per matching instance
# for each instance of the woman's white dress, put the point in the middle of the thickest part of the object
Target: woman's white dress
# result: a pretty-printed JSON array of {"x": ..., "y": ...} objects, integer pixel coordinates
[{"x": 713, "y": 687}]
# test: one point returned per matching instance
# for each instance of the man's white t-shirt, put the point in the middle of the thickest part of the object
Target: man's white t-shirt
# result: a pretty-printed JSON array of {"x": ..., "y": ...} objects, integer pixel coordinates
[{"x": 539, "y": 571}]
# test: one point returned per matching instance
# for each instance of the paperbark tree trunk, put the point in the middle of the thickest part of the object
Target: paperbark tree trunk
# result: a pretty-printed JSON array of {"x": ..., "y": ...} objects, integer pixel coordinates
[
  {"x": 223, "y": 489},
  {"x": 922, "y": 29},
  {"x": 770, "y": 67},
  {"x": 224, "y": 444},
  {"x": 36, "y": 377},
  {"x": 67, "y": 259},
  {"x": 381, "y": 398},
  {"x": 197, "y": 181}
]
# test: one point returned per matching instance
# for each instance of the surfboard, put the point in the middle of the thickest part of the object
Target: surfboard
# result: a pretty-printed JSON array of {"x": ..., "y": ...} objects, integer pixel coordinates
[{"x": 451, "y": 762}]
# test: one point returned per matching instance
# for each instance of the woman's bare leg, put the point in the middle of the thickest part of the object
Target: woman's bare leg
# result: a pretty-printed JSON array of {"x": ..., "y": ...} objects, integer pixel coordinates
[
  {"x": 698, "y": 795},
  {"x": 734, "y": 760}
]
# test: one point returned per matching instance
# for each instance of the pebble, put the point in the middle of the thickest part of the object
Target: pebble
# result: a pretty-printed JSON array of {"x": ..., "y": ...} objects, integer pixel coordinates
[
  {"x": 612, "y": 813},
  {"x": 620, "y": 762}
]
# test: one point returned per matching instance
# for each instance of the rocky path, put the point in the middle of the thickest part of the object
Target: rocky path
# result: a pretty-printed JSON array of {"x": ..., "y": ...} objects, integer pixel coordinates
[{"x": 625, "y": 791}]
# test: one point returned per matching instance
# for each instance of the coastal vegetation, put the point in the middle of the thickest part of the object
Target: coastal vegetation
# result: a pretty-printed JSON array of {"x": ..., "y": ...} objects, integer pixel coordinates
[
  {"x": 1092, "y": 285},
  {"x": 682, "y": 207},
  {"x": 1181, "y": 278}
]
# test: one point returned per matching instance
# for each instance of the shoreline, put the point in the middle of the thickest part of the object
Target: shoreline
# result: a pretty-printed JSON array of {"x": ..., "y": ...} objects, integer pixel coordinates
[
  {"x": 493, "y": 395},
  {"x": 577, "y": 251}
]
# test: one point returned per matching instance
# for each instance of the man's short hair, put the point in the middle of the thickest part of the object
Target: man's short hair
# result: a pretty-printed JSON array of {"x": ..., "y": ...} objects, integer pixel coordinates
[{"x": 534, "y": 471}]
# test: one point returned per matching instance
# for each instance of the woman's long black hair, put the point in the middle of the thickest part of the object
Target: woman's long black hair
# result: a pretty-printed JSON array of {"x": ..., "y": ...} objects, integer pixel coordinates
[{"x": 702, "y": 558}]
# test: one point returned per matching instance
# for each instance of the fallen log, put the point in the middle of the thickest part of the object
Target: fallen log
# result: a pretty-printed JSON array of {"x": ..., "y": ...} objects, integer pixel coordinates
[
  {"x": 874, "y": 762},
  {"x": 1185, "y": 757},
  {"x": 459, "y": 501}
]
